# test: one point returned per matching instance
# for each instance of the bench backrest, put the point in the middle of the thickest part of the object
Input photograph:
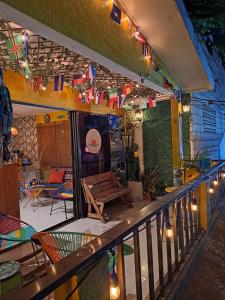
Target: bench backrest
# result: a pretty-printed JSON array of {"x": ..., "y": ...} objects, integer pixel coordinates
[{"x": 99, "y": 184}]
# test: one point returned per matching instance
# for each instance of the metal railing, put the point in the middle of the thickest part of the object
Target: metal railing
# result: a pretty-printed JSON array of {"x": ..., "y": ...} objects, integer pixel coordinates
[{"x": 162, "y": 234}]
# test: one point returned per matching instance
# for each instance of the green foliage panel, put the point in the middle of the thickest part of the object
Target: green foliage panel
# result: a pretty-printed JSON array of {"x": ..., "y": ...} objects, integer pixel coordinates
[
  {"x": 186, "y": 119},
  {"x": 89, "y": 22},
  {"x": 157, "y": 138}
]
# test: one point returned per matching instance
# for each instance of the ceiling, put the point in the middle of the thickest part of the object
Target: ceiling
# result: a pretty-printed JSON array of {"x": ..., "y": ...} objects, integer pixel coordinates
[
  {"x": 49, "y": 59},
  {"x": 166, "y": 30},
  {"x": 20, "y": 110}
]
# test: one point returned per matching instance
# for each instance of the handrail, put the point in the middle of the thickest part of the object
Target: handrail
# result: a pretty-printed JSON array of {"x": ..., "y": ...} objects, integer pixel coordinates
[{"x": 79, "y": 260}]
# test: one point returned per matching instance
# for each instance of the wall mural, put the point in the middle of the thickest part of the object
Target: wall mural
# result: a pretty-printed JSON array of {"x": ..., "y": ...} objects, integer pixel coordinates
[{"x": 26, "y": 140}]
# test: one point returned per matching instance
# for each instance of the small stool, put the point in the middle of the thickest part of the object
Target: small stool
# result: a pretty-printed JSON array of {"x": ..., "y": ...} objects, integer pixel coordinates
[{"x": 10, "y": 276}]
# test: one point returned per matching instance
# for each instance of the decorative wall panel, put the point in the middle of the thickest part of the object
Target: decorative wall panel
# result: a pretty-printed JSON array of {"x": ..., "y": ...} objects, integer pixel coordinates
[{"x": 26, "y": 140}]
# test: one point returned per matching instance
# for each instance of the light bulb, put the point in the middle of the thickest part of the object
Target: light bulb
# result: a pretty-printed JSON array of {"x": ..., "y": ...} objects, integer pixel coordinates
[
  {"x": 211, "y": 190},
  {"x": 169, "y": 232},
  {"x": 137, "y": 85},
  {"x": 114, "y": 286},
  {"x": 223, "y": 175},
  {"x": 84, "y": 75},
  {"x": 27, "y": 76},
  {"x": 114, "y": 293},
  {"x": 215, "y": 182},
  {"x": 194, "y": 207},
  {"x": 23, "y": 64},
  {"x": 186, "y": 108},
  {"x": 44, "y": 88},
  {"x": 108, "y": 87}
]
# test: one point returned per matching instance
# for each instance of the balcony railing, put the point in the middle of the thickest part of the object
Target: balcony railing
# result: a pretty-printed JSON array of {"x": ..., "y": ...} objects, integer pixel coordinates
[{"x": 163, "y": 235}]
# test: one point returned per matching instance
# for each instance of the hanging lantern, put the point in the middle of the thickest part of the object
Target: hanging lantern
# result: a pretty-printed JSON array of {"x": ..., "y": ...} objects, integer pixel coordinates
[
  {"x": 139, "y": 115},
  {"x": 114, "y": 286},
  {"x": 186, "y": 108}
]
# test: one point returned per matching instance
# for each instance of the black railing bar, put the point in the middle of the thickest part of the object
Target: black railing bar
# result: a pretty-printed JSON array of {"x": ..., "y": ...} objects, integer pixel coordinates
[{"x": 73, "y": 263}]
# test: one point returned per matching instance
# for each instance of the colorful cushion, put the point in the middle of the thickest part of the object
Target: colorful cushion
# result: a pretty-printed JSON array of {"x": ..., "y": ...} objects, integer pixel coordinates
[{"x": 56, "y": 176}]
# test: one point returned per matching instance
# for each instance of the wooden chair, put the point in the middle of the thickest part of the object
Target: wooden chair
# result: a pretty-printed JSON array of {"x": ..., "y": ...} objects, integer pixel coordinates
[{"x": 100, "y": 189}]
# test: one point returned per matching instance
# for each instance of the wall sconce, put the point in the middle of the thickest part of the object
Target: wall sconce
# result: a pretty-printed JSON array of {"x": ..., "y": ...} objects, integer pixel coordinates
[
  {"x": 127, "y": 140},
  {"x": 139, "y": 116},
  {"x": 186, "y": 108},
  {"x": 14, "y": 131}
]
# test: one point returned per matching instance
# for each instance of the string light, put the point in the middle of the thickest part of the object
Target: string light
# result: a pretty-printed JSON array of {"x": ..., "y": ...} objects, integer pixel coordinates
[
  {"x": 169, "y": 230},
  {"x": 211, "y": 190},
  {"x": 215, "y": 182},
  {"x": 44, "y": 88},
  {"x": 114, "y": 286},
  {"x": 223, "y": 174},
  {"x": 194, "y": 206}
]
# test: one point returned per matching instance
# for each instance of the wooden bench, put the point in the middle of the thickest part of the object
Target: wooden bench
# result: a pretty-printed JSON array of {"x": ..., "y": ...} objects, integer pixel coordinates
[{"x": 100, "y": 189}]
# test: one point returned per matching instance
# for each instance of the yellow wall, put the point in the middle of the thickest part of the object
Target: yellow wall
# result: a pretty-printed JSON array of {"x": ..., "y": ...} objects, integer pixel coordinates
[
  {"x": 56, "y": 116},
  {"x": 21, "y": 91}
]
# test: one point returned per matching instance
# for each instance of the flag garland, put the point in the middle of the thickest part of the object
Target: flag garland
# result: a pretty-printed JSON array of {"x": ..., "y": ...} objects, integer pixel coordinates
[
  {"x": 15, "y": 47},
  {"x": 91, "y": 73},
  {"x": 58, "y": 83},
  {"x": 113, "y": 98}
]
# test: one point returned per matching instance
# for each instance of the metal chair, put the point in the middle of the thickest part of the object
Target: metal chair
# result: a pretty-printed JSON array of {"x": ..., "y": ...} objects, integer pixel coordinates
[
  {"x": 64, "y": 193},
  {"x": 58, "y": 245},
  {"x": 14, "y": 231}
]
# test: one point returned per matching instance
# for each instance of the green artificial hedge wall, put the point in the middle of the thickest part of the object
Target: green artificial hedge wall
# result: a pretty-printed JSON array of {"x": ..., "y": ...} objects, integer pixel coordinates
[
  {"x": 157, "y": 139},
  {"x": 186, "y": 120},
  {"x": 89, "y": 22}
]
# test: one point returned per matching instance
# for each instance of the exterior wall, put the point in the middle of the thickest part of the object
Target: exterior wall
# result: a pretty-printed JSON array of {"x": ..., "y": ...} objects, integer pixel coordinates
[{"x": 207, "y": 120}]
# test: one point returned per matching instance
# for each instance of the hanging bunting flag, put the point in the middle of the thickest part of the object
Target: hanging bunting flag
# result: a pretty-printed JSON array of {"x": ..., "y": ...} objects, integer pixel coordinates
[
  {"x": 146, "y": 50},
  {"x": 25, "y": 38},
  {"x": 80, "y": 98},
  {"x": 127, "y": 89},
  {"x": 116, "y": 14},
  {"x": 99, "y": 97},
  {"x": 15, "y": 47},
  {"x": 58, "y": 83},
  {"x": 37, "y": 83},
  {"x": 151, "y": 102},
  {"x": 142, "y": 103},
  {"x": 139, "y": 37},
  {"x": 78, "y": 81},
  {"x": 88, "y": 95},
  {"x": 91, "y": 73},
  {"x": 113, "y": 98}
]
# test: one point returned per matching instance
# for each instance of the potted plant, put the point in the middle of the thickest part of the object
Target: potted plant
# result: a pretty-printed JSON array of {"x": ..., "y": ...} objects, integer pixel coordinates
[{"x": 152, "y": 184}]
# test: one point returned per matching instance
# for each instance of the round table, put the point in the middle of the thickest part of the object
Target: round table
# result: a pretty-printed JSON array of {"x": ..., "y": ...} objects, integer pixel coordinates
[{"x": 33, "y": 192}]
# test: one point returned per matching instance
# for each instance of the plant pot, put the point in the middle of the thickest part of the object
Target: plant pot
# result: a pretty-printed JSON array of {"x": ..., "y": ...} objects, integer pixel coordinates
[{"x": 136, "y": 190}]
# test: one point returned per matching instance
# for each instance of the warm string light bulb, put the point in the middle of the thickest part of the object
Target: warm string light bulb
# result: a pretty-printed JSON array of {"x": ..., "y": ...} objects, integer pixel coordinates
[
  {"x": 169, "y": 229},
  {"x": 215, "y": 182},
  {"x": 194, "y": 206},
  {"x": 211, "y": 190},
  {"x": 223, "y": 175},
  {"x": 114, "y": 286}
]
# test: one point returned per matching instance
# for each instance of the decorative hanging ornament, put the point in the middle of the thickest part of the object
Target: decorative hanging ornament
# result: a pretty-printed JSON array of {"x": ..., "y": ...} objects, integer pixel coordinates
[
  {"x": 15, "y": 47},
  {"x": 116, "y": 14},
  {"x": 139, "y": 37}
]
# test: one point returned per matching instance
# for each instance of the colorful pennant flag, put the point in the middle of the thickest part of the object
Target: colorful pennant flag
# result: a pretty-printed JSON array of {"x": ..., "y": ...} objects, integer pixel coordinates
[
  {"x": 127, "y": 89},
  {"x": 15, "y": 47},
  {"x": 88, "y": 95},
  {"x": 37, "y": 83},
  {"x": 78, "y": 81},
  {"x": 116, "y": 14},
  {"x": 139, "y": 37},
  {"x": 146, "y": 50},
  {"x": 91, "y": 73},
  {"x": 58, "y": 83},
  {"x": 113, "y": 98},
  {"x": 151, "y": 102},
  {"x": 99, "y": 97}
]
